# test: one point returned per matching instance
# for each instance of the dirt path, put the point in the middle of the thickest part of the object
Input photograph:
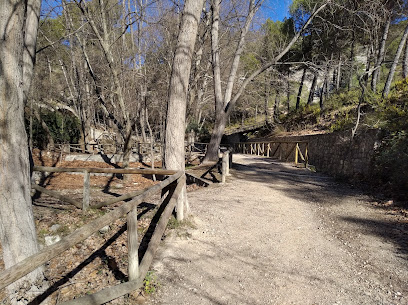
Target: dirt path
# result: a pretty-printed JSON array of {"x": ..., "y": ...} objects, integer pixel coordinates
[{"x": 279, "y": 235}]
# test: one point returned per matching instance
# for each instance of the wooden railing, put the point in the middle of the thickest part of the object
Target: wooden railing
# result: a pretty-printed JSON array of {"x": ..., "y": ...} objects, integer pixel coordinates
[
  {"x": 297, "y": 152},
  {"x": 170, "y": 188},
  {"x": 141, "y": 148},
  {"x": 86, "y": 188}
]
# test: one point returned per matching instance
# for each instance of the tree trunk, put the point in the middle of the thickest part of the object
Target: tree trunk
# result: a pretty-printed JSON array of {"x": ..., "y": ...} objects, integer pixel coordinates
[
  {"x": 50, "y": 144},
  {"x": 229, "y": 103},
  {"x": 351, "y": 61},
  {"x": 312, "y": 89},
  {"x": 174, "y": 154},
  {"x": 288, "y": 91},
  {"x": 17, "y": 229},
  {"x": 390, "y": 77},
  {"x": 222, "y": 103},
  {"x": 380, "y": 55},
  {"x": 405, "y": 62},
  {"x": 338, "y": 76},
  {"x": 299, "y": 95},
  {"x": 276, "y": 107}
]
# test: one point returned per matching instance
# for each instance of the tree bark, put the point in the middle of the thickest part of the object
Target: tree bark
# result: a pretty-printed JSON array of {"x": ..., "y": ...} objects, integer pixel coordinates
[
  {"x": 390, "y": 77},
  {"x": 299, "y": 95},
  {"x": 380, "y": 55},
  {"x": 338, "y": 76},
  {"x": 50, "y": 144},
  {"x": 276, "y": 111},
  {"x": 351, "y": 61},
  {"x": 17, "y": 229},
  {"x": 174, "y": 154},
  {"x": 312, "y": 89},
  {"x": 405, "y": 62}
]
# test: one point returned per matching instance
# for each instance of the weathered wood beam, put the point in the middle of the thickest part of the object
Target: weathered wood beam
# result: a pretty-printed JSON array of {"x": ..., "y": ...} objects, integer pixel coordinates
[
  {"x": 105, "y": 170},
  {"x": 56, "y": 195}
]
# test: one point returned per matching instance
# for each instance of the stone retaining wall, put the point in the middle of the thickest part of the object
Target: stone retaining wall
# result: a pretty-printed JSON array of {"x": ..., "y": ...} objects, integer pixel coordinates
[{"x": 339, "y": 155}]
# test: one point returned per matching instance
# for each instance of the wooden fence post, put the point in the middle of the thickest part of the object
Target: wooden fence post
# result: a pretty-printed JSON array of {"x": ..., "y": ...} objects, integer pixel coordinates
[
  {"x": 86, "y": 193},
  {"x": 307, "y": 154},
  {"x": 181, "y": 201},
  {"x": 296, "y": 153},
  {"x": 225, "y": 166},
  {"x": 133, "y": 245},
  {"x": 229, "y": 162}
]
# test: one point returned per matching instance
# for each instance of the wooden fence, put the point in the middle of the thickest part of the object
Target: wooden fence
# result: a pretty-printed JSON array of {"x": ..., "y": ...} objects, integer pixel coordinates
[
  {"x": 296, "y": 152},
  {"x": 170, "y": 188},
  {"x": 95, "y": 148},
  {"x": 86, "y": 188}
]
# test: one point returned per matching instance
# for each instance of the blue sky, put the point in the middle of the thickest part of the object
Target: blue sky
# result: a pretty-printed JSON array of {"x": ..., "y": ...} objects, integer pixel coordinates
[{"x": 276, "y": 9}]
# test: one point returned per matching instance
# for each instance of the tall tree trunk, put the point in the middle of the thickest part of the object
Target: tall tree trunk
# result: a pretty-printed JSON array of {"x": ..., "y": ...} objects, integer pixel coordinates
[
  {"x": 288, "y": 91},
  {"x": 405, "y": 62},
  {"x": 338, "y": 76},
  {"x": 229, "y": 103},
  {"x": 312, "y": 88},
  {"x": 222, "y": 103},
  {"x": 17, "y": 230},
  {"x": 174, "y": 154},
  {"x": 380, "y": 55},
  {"x": 390, "y": 77},
  {"x": 299, "y": 95},
  {"x": 351, "y": 61},
  {"x": 276, "y": 111},
  {"x": 50, "y": 144}
]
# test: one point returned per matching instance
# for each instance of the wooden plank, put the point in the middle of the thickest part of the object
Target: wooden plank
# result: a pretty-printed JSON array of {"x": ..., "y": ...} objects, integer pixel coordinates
[
  {"x": 56, "y": 195},
  {"x": 133, "y": 245},
  {"x": 118, "y": 199},
  {"x": 105, "y": 170},
  {"x": 86, "y": 191},
  {"x": 290, "y": 151},
  {"x": 112, "y": 293},
  {"x": 276, "y": 149},
  {"x": 301, "y": 155},
  {"x": 32, "y": 262}
]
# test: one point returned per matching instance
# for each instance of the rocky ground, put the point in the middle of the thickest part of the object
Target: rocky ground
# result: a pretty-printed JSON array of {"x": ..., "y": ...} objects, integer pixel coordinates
[{"x": 275, "y": 234}]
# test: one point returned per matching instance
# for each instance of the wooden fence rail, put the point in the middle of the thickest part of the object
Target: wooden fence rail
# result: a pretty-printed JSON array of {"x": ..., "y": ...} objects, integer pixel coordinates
[
  {"x": 298, "y": 152},
  {"x": 174, "y": 183},
  {"x": 86, "y": 188}
]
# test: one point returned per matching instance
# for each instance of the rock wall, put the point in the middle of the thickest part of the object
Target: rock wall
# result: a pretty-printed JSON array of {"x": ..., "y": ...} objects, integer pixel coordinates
[{"x": 339, "y": 155}]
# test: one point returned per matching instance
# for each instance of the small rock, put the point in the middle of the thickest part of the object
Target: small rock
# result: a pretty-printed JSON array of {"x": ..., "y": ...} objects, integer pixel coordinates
[
  {"x": 55, "y": 227},
  {"x": 104, "y": 230},
  {"x": 50, "y": 240},
  {"x": 389, "y": 203}
]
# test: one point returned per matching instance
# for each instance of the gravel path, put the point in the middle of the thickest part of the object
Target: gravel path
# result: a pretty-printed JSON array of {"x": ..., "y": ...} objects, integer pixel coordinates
[{"x": 275, "y": 234}]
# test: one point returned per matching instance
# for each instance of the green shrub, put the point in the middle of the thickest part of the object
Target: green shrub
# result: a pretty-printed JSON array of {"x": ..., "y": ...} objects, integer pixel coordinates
[
  {"x": 391, "y": 160},
  {"x": 64, "y": 128}
]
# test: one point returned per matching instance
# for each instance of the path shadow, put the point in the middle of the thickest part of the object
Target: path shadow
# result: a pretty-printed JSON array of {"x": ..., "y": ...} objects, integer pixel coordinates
[
  {"x": 394, "y": 231},
  {"x": 326, "y": 194}
]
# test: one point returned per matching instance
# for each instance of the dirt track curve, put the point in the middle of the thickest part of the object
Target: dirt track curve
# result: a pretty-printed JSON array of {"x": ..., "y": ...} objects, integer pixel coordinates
[{"x": 275, "y": 234}]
